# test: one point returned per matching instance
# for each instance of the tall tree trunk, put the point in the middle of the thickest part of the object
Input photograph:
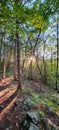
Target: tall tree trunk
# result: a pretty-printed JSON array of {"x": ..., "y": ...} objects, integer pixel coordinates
[
  {"x": 44, "y": 63},
  {"x": 24, "y": 59},
  {"x": 18, "y": 48},
  {"x": 30, "y": 67},
  {"x": 4, "y": 67},
  {"x": 1, "y": 48},
  {"x": 40, "y": 74},
  {"x": 37, "y": 57},
  {"x": 57, "y": 57},
  {"x": 39, "y": 68},
  {"x": 1, "y": 43},
  {"x": 31, "y": 70},
  {"x": 15, "y": 59},
  {"x": 18, "y": 60},
  {"x": 10, "y": 54},
  {"x": 23, "y": 65},
  {"x": 51, "y": 59},
  {"x": 0, "y": 53}
]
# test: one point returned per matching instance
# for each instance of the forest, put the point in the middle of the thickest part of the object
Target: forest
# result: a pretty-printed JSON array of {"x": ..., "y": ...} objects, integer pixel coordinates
[{"x": 29, "y": 64}]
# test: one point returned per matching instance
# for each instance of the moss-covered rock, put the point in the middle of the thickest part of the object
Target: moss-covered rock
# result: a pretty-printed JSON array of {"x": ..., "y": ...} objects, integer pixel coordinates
[{"x": 32, "y": 117}]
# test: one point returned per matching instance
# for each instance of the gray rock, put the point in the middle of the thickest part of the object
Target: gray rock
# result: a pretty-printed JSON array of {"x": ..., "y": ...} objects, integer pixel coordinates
[
  {"x": 32, "y": 117},
  {"x": 48, "y": 108},
  {"x": 26, "y": 125},
  {"x": 28, "y": 102},
  {"x": 29, "y": 126},
  {"x": 33, "y": 127},
  {"x": 7, "y": 129},
  {"x": 30, "y": 121}
]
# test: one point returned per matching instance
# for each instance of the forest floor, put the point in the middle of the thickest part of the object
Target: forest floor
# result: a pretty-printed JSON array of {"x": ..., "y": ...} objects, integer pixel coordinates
[{"x": 12, "y": 106}]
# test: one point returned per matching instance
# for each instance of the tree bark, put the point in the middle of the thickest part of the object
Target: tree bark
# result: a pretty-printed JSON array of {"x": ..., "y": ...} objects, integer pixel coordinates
[
  {"x": 18, "y": 60},
  {"x": 57, "y": 57},
  {"x": 51, "y": 59},
  {"x": 31, "y": 70},
  {"x": 15, "y": 59},
  {"x": 44, "y": 63},
  {"x": 1, "y": 48},
  {"x": 4, "y": 67},
  {"x": 24, "y": 59},
  {"x": 18, "y": 48}
]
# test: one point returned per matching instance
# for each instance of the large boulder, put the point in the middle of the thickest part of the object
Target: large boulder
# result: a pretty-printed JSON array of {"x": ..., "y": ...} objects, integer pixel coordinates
[
  {"x": 48, "y": 108},
  {"x": 29, "y": 126},
  {"x": 7, "y": 129},
  {"x": 33, "y": 127},
  {"x": 30, "y": 121},
  {"x": 32, "y": 117},
  {"x": 28, "y": 102}
]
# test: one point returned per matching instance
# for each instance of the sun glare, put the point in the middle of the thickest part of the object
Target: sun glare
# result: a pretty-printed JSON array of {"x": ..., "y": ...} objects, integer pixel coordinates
[{"x": 32, "y": 58}]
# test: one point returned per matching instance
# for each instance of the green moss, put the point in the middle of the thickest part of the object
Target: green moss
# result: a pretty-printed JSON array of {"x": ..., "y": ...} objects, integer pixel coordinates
[{"x": 41, "y": 114}]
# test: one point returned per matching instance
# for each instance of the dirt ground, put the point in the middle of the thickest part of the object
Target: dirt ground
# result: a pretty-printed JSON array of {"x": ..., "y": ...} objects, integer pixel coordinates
[{"x": 10, "y": 111}]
